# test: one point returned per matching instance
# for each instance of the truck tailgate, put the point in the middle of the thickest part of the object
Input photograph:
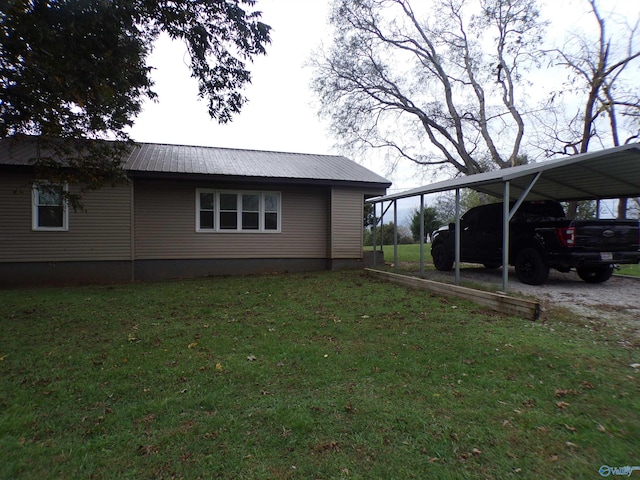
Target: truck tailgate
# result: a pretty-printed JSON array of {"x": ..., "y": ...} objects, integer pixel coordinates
[{"x": 610, "y": 235}]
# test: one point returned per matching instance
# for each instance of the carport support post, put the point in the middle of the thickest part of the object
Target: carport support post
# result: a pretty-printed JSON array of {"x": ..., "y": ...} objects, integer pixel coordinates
[
  {"x": 395, "y": 235},
  {"x": 457, "y": 246},
  {"x": 505, "y": 238},
  {"x": 422, "y": 235},
  {"x": 373, "y": 230}
]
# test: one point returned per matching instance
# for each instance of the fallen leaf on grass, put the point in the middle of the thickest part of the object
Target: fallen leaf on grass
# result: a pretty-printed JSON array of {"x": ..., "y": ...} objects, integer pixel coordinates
[
  {"x": 192, "y": 345},
  {"x": 562, "y": 392},
  {"x": 251, "y": 358},
  {"x": 147, "y": 450},
  {"x": 325, "y": 447},
  {"x": 601, "y": 428},
  {"x": 570, "y": 428},
  {"x": 562, "y": 405}
]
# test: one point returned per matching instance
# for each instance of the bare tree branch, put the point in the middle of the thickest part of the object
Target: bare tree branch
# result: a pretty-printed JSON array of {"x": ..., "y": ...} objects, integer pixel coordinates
[{"x": 419, "y": 82}]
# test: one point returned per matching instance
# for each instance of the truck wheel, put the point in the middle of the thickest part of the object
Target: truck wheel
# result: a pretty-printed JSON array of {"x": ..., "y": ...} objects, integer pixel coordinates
[
  {"x": 441, "y": 259},
  {"x": 530, "y": 267},
  {"x": 491, "y": 266},
  {"x": 598, "y": 274}
]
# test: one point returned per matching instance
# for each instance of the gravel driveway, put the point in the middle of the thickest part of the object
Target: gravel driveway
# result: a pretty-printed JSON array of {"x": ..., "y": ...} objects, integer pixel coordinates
[{"x": 615, "y": 302}]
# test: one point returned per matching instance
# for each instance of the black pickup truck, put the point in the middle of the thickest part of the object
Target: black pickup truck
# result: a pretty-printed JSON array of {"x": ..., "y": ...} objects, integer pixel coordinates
[{"x": 541, "y": 237}]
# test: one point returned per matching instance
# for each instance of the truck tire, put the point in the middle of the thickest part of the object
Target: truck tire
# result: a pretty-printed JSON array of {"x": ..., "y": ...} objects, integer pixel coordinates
[
  {"x": 441, "y": 259},
  {"x": 598, "y": 274},
  {"x": 530, "y": 267},
  {"x": 491, "y": 266}
]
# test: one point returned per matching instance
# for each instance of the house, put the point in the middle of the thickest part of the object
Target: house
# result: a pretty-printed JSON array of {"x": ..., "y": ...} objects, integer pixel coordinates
[{"x": 185, "y": 211}]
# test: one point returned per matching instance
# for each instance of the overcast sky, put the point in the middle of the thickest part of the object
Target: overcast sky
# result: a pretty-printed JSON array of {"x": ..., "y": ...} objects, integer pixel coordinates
[{"x": 280, "y": 114}]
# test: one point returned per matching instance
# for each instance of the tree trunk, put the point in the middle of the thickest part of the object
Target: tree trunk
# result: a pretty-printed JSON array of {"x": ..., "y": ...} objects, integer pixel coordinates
[
  {"x": 572, "y": 210},
  {"x": 622, "y": 208}
]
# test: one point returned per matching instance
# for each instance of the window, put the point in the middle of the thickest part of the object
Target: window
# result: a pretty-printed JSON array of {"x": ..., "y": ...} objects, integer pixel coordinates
[
  {"x": 250, "y": 212},
  {"x": 271, "y": 208},
  {"x": 227, "y": 211},
  {"x": 49, "y": 210},
  {"x": 207, "y": 210}
]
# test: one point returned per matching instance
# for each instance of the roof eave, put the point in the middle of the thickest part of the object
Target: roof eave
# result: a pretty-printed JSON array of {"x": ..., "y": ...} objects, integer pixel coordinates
[{"x": 235, "y": 179}]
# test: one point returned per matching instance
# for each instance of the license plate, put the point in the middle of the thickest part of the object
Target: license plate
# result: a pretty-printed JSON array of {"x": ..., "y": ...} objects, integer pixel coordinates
[{"x": 606, "y": 256}]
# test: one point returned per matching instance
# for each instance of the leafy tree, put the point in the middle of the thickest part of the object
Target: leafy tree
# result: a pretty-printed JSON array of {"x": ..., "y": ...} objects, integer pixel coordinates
[
  {"x": 584, "y": 210},
  {"x": 415, "y": 78},
  {"x": 386, "y": 233},
  {"x": 446, "y": 203},
  {"x": 76, "y": 71},
  {"x": 431, "y": 222},
  {"x": 369, "y": 215}
]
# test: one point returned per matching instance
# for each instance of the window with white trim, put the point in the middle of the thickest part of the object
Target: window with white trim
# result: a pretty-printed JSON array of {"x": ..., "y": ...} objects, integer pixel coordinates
[
  {"x": 237, "y": 211},
  {"x": 49, "y": 208}
]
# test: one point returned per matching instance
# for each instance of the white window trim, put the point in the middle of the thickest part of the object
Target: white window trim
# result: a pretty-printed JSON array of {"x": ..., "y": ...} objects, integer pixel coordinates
[
  {"x": 216, "y": 217},
  {"x": 34, "y": 209}
]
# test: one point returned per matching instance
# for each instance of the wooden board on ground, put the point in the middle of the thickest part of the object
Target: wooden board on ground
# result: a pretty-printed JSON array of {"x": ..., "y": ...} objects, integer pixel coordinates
[{"x": 495, "y": 301}]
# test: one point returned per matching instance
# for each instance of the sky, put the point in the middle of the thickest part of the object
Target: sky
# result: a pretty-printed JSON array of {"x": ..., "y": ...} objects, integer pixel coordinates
[{"x": 281, "y": 114}]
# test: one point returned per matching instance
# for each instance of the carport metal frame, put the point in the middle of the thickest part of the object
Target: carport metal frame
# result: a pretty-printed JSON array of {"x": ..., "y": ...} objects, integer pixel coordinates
[{"x": 606, "y": 174}]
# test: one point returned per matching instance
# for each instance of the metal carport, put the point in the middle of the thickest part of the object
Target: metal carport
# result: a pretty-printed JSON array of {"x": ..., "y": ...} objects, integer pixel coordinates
[{"x": 606, "y": 174}]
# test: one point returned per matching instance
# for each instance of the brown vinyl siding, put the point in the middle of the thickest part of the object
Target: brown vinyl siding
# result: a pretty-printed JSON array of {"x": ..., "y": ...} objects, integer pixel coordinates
[
  {"x": 347, "y": 210},
  {"x": 101, "y": 232},
  {"x": 166, "y": 225}
]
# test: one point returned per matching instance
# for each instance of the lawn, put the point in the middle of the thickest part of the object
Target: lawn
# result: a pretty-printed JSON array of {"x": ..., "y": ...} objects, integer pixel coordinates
[
  {"x": 304, "y": 376},
  {"x": 411, "y": 254}
]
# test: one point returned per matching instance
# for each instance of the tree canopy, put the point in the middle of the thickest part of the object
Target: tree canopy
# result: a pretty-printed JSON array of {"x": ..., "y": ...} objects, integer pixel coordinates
[
  {"x": 432, "y": 221},
  {"x": 76, "y": 69}
]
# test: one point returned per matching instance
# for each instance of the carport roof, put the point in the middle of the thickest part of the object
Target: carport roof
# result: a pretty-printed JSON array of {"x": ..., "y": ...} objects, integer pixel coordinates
[{"x": 610, "y": 173}]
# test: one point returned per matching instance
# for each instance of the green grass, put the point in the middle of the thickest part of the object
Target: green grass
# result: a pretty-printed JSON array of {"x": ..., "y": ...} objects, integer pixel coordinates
[
  {"x": 632, "y": 270},
  {"x": 411, "y": 254},
  {"x": 308, "y": 376}
]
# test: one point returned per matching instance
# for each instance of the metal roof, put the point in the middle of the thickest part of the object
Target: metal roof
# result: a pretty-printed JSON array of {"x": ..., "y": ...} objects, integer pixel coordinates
[
  {"x": 179, "y": 160},
  {"x": 182, "y": 159},
  {"x": 610, "y": 173}
]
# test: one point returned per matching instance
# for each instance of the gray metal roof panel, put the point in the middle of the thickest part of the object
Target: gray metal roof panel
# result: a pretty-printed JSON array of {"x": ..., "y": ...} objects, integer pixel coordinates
[
  {"x": 154, "y": 158},
  {"x": 159, "y": 158}
]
